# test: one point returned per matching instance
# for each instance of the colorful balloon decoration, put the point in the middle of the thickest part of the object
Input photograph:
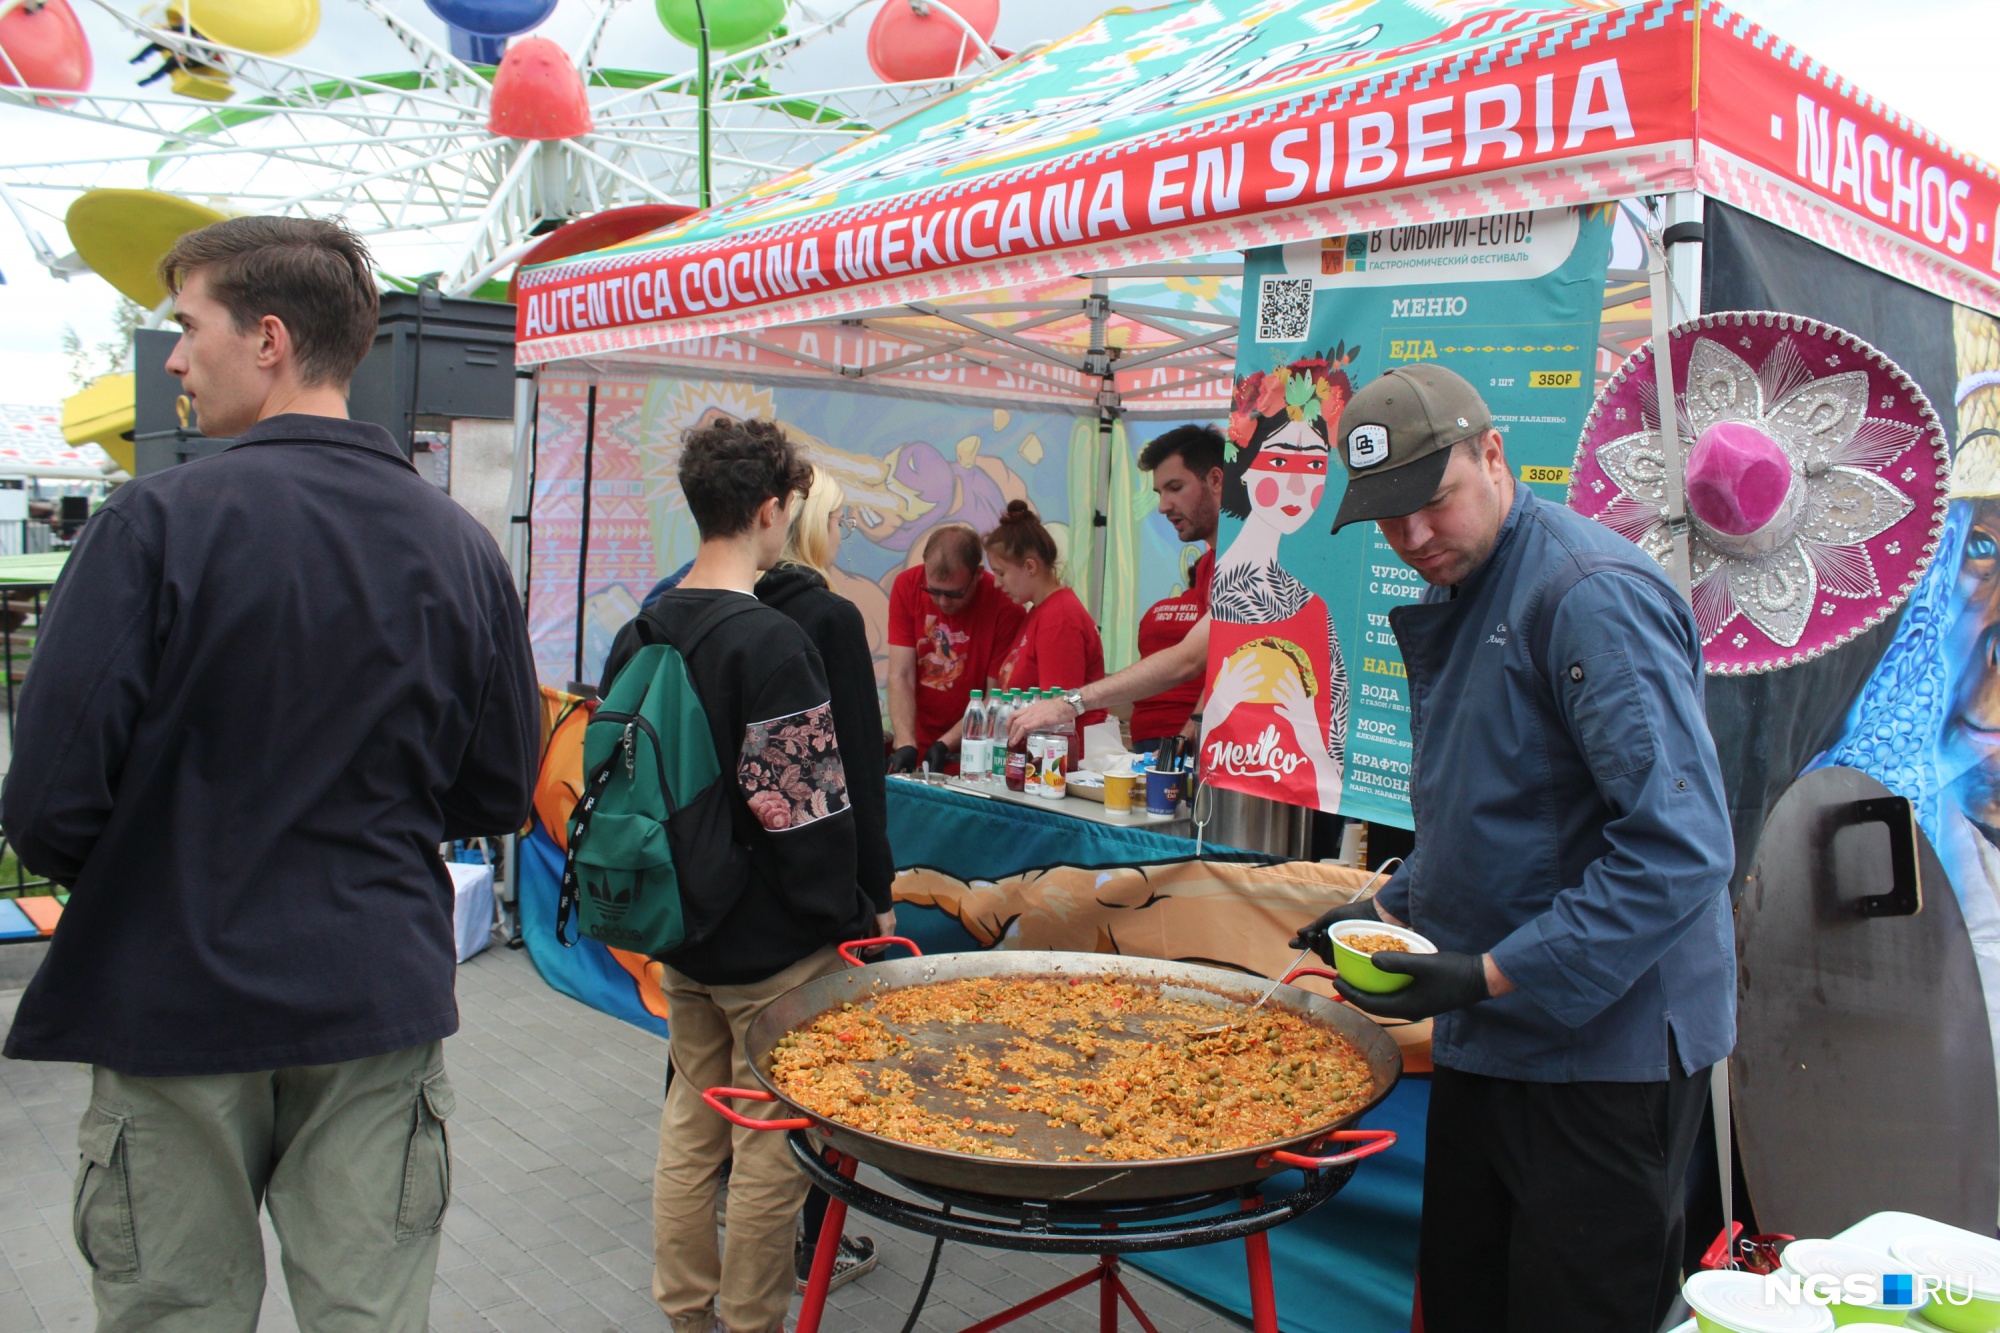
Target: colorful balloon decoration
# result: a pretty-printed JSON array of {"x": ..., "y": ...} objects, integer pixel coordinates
[
  {"x": 732, "y": 24},
  {"x": 492, "y": 18},
  {"x": 47, "y": 46},
  {"x": 537, "y": 94},
  {"x": 910, "y": 42},
  {"x": 268, "y": 27}
]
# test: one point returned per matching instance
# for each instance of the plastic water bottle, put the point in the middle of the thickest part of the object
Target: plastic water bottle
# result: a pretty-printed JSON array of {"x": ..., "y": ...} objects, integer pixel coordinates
[
  {"x": 973, "y": 756},
  {"x": 999, "y": 708}
]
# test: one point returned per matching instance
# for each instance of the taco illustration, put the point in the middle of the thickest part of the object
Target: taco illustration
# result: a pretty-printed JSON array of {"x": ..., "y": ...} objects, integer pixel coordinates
[{"x": 1278, "y": 657}]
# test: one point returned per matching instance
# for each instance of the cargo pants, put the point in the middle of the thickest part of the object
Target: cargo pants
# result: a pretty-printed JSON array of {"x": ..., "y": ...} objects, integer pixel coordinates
[{"x": 351, "y": 1159}]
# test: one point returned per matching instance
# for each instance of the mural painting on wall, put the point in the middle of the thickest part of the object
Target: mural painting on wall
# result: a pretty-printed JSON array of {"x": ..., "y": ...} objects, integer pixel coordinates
[
  {"x": 1927, "y": 723},
  {"x": 906, "y": 465}
]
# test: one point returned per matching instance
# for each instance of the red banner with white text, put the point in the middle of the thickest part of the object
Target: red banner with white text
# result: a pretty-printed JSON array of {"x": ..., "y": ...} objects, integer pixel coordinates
[
  {"x": 1592, "y": 111},
  {"x": 1788, "y": 139}
]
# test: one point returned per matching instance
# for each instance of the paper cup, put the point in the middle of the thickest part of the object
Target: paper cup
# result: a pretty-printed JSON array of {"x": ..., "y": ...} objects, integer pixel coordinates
[
  {"x": 1118, "y": 791},
  {"x": 1731, "y": 1302},
  {"x": 1357, "y": 969},
  {"x": 1163, "y": 791}
]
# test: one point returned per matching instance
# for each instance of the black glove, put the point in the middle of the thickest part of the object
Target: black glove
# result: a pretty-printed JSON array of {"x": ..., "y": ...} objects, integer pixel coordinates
[
  {"x": 937, "y": 756},
  {"x": 1315, "y": 936},
  {"x": 904, "y": 760},
  {"x": 1444, "y": 981}
]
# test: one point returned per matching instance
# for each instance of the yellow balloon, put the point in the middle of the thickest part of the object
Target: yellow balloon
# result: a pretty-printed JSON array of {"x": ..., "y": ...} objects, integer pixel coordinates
[
  {"x": 268, "y": 27},
  {"x": 124, "y": 234}
]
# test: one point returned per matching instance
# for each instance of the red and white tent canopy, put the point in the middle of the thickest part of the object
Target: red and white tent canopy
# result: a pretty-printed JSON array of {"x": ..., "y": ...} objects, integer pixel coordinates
[{"x": 1193, "y": 128}]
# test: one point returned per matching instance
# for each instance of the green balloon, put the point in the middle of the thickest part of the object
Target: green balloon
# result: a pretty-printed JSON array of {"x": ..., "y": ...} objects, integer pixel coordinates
[{"x": 732, "y": 24}]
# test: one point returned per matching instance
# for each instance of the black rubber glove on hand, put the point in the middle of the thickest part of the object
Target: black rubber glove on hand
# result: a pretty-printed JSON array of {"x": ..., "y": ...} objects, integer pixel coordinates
[
  {"x": 904, "y": 760},
  {"x": 1315, "y": 936},
  {"x": 937, "y": 756},
  {"x": 1444, "y": 981}
]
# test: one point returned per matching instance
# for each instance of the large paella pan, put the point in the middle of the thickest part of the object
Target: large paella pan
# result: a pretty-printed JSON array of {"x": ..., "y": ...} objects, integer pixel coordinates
[{"x": 1046, "y": 1147}]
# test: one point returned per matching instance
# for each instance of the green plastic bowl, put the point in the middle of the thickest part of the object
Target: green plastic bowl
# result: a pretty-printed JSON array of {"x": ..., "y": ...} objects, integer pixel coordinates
[
  {"x": 1356, "y": 968},
  {"x": 1843, "y": 1259},
  {"x": 1736, "y": 1302},
  {"x": 1975, "y": 1316},
  {"x": 1961, "y": 1258}
]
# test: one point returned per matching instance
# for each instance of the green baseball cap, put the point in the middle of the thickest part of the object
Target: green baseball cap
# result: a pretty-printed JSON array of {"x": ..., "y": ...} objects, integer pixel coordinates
[{"x": 1396, "y": 436}]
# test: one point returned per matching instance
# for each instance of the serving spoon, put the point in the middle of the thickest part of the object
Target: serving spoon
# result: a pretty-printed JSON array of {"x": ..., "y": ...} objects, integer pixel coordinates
[{"x": 1381, "y": 873}]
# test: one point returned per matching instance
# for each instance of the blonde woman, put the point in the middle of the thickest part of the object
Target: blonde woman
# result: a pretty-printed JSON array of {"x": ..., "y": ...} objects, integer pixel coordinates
[{"x": 797, "y": 586}]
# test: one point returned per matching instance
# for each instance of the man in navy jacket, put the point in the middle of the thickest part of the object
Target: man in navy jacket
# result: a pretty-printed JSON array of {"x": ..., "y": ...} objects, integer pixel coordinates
[
  {"x": 268, "y": 685},
  {"x": 1571, "y": 864}
]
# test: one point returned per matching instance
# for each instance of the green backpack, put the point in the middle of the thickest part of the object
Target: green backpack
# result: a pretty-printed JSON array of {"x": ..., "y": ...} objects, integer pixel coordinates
[{"x": 653, "y": 860}]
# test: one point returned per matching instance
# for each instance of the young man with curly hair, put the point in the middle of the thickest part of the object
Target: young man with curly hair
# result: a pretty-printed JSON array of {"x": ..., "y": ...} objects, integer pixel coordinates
[{"x": 770, "y": 715}]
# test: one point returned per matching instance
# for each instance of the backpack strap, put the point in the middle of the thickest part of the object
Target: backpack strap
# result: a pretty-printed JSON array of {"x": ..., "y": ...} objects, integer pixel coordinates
[{"x": 724, "y": 610}]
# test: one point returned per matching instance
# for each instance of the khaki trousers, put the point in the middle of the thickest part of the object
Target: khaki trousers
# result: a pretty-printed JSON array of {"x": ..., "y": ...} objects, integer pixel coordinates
[
  {"x": 747, "y": 1282},
  {"x": 351, "y": 1159}
]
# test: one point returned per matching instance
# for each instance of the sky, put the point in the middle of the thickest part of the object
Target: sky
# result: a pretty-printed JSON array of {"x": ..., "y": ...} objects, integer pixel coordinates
[{"x": 1937, "y": 61}]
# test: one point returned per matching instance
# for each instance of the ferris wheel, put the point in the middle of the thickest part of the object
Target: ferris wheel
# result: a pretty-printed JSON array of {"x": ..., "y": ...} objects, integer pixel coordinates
[{"x": 456, "y": 164}]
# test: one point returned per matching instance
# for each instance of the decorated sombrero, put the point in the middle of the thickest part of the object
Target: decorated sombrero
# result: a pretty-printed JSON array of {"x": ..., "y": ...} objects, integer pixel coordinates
[{"x": 1815, "y": 473}]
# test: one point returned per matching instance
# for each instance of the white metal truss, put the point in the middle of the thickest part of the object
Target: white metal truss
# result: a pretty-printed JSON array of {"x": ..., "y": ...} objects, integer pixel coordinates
[{"x": 407, "y": 156}]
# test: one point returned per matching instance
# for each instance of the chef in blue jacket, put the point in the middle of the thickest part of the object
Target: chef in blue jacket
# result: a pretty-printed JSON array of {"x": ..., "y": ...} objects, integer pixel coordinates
[{"x": 1571, "y": 865}]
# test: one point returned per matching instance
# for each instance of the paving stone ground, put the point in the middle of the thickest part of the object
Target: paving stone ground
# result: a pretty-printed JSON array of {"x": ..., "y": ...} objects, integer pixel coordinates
[{"x": 551, "y": 1222}]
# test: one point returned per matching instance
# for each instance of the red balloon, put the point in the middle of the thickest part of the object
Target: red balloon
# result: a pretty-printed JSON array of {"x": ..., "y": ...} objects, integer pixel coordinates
[
  {"x": 47, "y": 46},
  {"x": 597, "y": 231},
  {"x": 907, "y": 47},
  {"x": 537, "y": 93}
]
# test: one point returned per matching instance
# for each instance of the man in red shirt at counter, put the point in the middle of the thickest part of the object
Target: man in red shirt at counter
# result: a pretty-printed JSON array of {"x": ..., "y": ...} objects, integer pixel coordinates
[
  {"x": 949, "y": 626},
  {"x": 1186, "y": 464}
]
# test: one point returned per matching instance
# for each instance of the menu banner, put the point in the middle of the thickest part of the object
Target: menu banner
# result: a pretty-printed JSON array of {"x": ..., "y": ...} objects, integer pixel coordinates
[{"x": 1308, "y": 699}]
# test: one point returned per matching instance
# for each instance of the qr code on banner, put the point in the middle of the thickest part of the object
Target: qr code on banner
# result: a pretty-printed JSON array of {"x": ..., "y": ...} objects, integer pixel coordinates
[{"x": 1284, "y": 310}]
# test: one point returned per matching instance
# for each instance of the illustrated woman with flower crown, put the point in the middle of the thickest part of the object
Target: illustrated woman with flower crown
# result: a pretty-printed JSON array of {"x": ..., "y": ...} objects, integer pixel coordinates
[{"x": 1276, "y": 718}]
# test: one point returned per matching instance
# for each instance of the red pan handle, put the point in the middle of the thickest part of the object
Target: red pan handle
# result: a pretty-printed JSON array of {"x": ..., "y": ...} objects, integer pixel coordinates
[
  {"x": 852, "y": 961},
  {"x": 1298, "y": 972},
  {"x": 714, "y": 1097},
  {"x": 1372, "y": 1141}
]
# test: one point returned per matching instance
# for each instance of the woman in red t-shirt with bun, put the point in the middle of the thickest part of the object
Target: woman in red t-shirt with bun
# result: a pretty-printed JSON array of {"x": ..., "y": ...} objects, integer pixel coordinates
[{"x": 1058, "y": 647}]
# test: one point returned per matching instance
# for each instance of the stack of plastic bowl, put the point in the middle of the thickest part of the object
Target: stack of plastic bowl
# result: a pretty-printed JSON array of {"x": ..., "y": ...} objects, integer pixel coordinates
[
  {"x": 1728, "y": 1302},
  {"x": 1838, "y": 1260},
  {"x": 1968, "y": 1266}
]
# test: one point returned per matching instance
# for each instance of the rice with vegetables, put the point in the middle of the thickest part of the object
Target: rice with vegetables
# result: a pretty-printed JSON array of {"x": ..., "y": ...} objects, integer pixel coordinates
[{"x": 1068, "y": 1070}]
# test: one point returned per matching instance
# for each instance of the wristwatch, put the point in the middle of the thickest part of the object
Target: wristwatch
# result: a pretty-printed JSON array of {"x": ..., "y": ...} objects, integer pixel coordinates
[{"x": 1074, "y": 698}]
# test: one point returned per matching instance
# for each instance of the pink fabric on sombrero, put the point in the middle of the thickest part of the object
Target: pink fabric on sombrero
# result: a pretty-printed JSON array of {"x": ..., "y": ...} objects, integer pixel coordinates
[
  {"x": 1815, "y": 473},
  {"x": 1738, "y": 478}
]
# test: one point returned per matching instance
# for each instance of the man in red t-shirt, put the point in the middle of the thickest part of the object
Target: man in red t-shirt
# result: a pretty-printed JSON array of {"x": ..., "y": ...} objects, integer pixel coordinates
[
  {"x": 1186, "y": 466},
  {"x": 948, "y": 629}
]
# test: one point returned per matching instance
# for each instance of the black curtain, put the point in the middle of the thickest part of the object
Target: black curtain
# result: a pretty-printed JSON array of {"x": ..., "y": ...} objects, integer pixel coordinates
[{"x": 1768, "y": 727}]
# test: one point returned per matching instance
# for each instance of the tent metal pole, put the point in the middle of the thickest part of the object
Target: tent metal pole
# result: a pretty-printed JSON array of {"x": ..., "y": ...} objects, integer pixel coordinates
[
  {"x": 583, "y": 537},
  {"x": 518, "y": 498},
  {"x": 1097, "y": 361},
  {"x": 1682, "y": 238}
]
